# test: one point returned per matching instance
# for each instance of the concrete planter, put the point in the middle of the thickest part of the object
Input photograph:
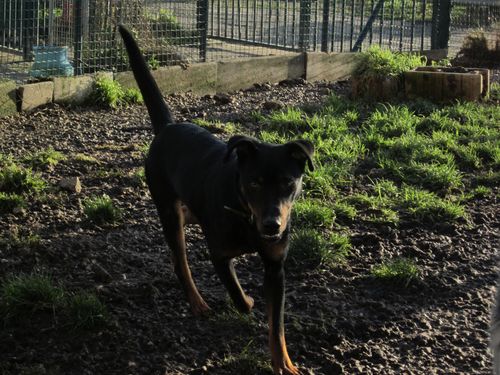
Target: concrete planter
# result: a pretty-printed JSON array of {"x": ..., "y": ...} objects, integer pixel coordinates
[{"x": 443, "y": 84}]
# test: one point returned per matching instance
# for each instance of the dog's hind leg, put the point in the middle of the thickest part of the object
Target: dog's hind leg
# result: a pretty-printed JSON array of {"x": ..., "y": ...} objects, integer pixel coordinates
[{"x": 172, "y": 220}]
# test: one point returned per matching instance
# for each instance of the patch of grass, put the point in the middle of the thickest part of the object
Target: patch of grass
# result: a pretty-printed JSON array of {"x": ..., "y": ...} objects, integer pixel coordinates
[
  {"x": 344, "y": 212},
  {"x": 399, "y": 270},
  {"x": 16, "y": 239},
  {"x": 380, "y": 62},
  {"x": 289, "y": 121},
  {"x": 339, "y": 105},
  {"x": 16, "y": 179},
  {"x": 86, "y": 312},
  {"x": 85, "y": 159},
  {"x": 139, "y": 177},
  {"x": 426, "y": 206},
  {"x": 101, "y": 210},
  {"x": 8, "y": 202},
  {"x": 489, "y": 178},
  {"x": 132, "y": 96},
  {"x": 478, "y": 192},
  {"x": 218, "y": 127},
  {"x": 310, "y": 247},
  {"x": 24, "y": 295},
  {"x": 390, "y": 122},
  {"x": 47, "y": 158},
  {"x": 495, "y": 91},
  {"x": 249, "y": 362},
  {"x": 319, "y": 183},
  {"x": 313, "y": 214},
  {"x": 231, "y": 315},
  {"x": 109, "y": 93}
]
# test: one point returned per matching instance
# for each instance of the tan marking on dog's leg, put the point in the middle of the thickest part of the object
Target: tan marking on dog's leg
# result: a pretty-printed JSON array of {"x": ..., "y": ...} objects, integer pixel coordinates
[
  {"x": 281, "y": 362},
  {"x": 181, "y": 268}
]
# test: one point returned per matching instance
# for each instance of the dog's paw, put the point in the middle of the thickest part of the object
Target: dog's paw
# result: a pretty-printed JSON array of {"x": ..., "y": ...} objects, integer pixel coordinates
[
  {"x": 287, "y": 369},
  {"x": 200, "y": 308},
  {"x": 246, "y": 305}
]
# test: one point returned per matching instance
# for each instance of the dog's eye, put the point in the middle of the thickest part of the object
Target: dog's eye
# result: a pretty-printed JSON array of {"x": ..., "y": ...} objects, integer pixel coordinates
[{"x": 255, "y": 185}]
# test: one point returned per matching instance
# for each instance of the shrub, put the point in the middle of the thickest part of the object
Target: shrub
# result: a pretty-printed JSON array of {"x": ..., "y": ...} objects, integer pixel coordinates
[{"x": 380, "y": 62}]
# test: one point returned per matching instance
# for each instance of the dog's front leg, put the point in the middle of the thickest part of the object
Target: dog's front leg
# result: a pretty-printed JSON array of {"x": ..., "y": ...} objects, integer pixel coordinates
[
  {"x": 225, "y": 270},
  {"x": 274, "y": 289}
]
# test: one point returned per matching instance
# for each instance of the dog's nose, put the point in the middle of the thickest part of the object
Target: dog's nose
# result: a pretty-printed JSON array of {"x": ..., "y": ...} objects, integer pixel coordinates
[{"x": 271, "y": 225}]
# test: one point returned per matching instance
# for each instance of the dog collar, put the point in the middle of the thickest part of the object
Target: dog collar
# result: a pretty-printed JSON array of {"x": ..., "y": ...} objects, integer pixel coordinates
[{"x": 241, "y": 214}]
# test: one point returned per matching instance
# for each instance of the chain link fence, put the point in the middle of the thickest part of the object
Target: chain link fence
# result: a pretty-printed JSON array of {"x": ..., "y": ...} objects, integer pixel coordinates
[{"x": 41, "y": 38}]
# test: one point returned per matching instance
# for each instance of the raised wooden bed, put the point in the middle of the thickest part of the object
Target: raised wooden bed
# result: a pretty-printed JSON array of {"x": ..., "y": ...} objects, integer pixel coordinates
[
  {"x": 377, "y": 88},
  {"x": 444, "y": 84}
]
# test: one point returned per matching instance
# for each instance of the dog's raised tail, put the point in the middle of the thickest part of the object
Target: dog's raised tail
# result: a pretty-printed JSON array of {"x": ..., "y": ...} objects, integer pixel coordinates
[{"x": 159, "y": 113}]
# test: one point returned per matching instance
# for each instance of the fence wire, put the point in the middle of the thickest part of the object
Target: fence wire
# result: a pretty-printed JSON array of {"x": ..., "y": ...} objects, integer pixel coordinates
[{"x": 43, "y": 38}]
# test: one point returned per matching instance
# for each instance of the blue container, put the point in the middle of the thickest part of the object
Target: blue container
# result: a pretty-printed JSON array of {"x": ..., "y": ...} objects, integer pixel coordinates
[{"x": 51, "y": 61}]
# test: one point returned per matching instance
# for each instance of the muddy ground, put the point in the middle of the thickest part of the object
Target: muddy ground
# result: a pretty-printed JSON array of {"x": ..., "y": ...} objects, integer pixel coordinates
[{"x": 338, "y": 320}]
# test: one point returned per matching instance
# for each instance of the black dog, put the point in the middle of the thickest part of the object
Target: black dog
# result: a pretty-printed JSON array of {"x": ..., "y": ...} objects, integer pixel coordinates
[{"x": 241, "y": 193}]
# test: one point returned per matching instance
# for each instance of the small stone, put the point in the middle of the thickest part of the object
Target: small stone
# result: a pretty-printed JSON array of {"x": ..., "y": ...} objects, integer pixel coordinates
[
  {"x": 18, "y": 211},
  {"x": 272, "y": 105},
  {"x": 71, "y": 184},
  {"x": 223, "y": 99}
]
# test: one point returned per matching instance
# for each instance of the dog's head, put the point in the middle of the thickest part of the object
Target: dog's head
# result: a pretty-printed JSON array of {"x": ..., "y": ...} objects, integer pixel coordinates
[{"x": 270, "y": 180}]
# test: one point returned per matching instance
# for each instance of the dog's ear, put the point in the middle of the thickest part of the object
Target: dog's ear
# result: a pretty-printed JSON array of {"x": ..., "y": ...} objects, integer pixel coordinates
[
  {"x": 302, "y": 151},
  {"x": 245, "y": 147}
]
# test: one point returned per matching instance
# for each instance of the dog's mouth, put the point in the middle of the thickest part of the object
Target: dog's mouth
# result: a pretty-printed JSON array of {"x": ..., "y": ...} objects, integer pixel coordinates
[{"x": 271, "y": 237}]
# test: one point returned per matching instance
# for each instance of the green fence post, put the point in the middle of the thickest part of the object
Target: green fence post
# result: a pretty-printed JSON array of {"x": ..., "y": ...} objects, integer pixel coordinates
[
  {"x": 440, "y": 33},
  {"x": 304, "y": 24},
  {"x": 202, "y": 27}
]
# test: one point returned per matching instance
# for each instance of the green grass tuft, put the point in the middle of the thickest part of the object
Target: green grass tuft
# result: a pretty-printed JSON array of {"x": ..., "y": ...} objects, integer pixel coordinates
[
  {"x": 47, "y": 158},
  {"x": 312, "y": 213},
  {"x": 399, "y": 270},
  {"x": 426, "y": 206},
  {"x": 25, "y": 295},
  {"x": 109, "y": 93},
  {"x": 86, "y": 312},
  {"x": 101, "y": 210},
  {"x": 17, "y": 180},
  {"x": 310, "y": 247}
]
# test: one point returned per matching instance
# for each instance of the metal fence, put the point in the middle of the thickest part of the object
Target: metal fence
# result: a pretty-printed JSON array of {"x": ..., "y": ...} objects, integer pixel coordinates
[{"x": 39, "y": 38}]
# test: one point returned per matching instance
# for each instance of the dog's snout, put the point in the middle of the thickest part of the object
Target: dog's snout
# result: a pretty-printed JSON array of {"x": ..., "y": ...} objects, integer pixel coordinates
[{"x": 271, "y": 224}]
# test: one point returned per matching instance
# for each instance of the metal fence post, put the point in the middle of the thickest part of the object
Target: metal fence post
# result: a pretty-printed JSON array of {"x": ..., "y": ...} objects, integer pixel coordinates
[
  {"x": 440, "y": 32},
  {"x": 325, "y": 26},
  {"x": 202, "y": 27},
  {"x": 28, "y": 25},
  {"x": 304, "y": 24},
  {"x": 78, "y": 42}
]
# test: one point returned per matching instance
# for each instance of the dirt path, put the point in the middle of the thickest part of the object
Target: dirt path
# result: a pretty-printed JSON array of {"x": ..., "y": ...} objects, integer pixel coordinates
[{"x": 338, "y": 320}]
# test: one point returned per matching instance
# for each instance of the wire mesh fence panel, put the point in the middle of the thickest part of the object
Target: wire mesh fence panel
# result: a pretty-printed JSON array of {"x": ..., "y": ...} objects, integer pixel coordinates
[
  {"x": 475, "y": 25},
  {"x": 43, "y": 38}
]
